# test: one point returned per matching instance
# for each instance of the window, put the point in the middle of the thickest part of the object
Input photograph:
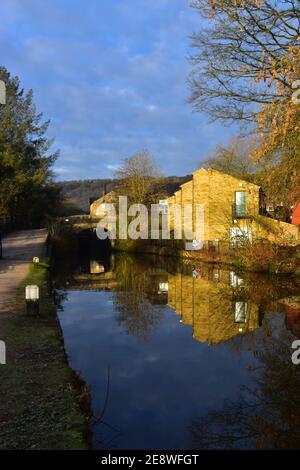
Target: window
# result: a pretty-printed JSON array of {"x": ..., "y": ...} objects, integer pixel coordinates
[
  {"x": 163, "y": 288},
  {"x": 163, "y": 206},
  {"x": 240, "y": 203},
  {"x": 235, "y": 280},
  {"x": 240, "y": 312}
]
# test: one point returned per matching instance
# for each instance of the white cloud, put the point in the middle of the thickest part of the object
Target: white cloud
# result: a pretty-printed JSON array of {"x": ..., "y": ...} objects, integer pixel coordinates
[
  {"x": 151, "y": 108},
  {"x": 113, "y": 167},
  {"x": 111, "y": 76}
]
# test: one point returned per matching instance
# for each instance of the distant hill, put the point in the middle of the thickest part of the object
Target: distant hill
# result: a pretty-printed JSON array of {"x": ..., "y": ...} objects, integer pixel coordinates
[{"x": 79, "y": 193}]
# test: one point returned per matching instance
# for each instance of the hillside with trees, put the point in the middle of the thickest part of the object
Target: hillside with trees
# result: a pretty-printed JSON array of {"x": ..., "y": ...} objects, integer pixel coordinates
[{"x": 77, "y": 193}]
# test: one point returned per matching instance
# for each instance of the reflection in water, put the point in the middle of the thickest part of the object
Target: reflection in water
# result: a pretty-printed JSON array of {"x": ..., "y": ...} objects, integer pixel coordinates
[
  {"x": 96, "y": 267},
  {"x": 180, "y": 341},
  {"x": 267, "y": 413},
  {"x": 215, "y": 310}
]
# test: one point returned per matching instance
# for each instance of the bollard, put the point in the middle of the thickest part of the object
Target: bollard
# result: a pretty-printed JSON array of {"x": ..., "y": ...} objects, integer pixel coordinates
[{"x": 32, "y": 297}]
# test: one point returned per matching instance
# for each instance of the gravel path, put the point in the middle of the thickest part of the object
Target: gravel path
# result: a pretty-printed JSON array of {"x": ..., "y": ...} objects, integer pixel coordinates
[{"x": 18, "y": 250}]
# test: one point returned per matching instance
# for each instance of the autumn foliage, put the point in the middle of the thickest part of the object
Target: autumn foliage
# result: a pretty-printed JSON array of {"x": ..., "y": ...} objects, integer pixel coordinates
[{"x": 245, "y": 66}]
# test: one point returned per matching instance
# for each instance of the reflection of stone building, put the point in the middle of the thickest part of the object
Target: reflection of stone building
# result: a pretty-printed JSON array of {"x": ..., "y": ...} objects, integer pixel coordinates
[
  {"x": 212, "y": 304},
  {"x": 96, "y": 267},
  {"x": 157, "y": 287}
]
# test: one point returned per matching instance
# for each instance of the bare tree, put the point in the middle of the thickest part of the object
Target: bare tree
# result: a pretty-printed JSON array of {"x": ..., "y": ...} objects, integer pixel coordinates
[
  {"x": 234, "y": 159},
  {"x": 137, "y": 177},
  {"x": 243, "y": 56},
  {"x": 246, "y": 61}
]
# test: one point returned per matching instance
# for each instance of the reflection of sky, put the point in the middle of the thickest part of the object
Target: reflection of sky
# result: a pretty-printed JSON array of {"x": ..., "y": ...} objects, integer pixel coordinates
[
  {"x": 158, "y": 386},
  {"x": 111, "y": 76}
]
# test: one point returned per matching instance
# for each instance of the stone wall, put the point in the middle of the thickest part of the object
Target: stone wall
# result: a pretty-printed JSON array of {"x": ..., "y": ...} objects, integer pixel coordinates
[{"x": 216, "y": 191}]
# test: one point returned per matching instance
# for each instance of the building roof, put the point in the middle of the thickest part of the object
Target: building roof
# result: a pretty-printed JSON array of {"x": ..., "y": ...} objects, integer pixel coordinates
[
  {"x": 212, "y": 170},
  {"x": 187, "y": 183},
  {"x": 106, "y": 198}
]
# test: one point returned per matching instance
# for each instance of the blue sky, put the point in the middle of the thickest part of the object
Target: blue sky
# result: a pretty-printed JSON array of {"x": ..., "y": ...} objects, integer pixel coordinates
[{"x": 111, "y": 75}]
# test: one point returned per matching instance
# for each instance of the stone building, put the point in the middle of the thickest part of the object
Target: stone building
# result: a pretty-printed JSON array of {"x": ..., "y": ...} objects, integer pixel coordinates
[
  {"x": 231, "y": 209},
  {"x": 108, "y": 198}
]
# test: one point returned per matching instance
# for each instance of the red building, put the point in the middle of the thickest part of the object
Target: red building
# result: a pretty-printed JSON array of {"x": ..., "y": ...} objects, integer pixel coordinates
[{"x": 296, "y": 214}]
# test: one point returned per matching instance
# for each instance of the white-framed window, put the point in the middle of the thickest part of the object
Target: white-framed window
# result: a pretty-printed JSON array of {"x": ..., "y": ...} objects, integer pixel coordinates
[
  {"x": 235, "y": 280},
  {"x": 240, "y": 203}
]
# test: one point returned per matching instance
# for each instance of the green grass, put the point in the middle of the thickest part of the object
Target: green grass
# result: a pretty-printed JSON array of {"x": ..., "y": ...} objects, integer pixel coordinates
[{"x": 44, "y": 403}]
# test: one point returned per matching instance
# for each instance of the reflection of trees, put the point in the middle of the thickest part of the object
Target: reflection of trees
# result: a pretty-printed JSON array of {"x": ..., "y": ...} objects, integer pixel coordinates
[
  {"x": 137, "y": 314},
  {"x": 267, "y": 414},
  {"x": 59, "y": 297},
  {"x": 264, "y": 289}
]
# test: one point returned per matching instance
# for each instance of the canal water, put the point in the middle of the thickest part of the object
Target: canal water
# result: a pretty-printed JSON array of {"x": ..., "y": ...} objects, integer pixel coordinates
[{"x": 182, "y": 356}]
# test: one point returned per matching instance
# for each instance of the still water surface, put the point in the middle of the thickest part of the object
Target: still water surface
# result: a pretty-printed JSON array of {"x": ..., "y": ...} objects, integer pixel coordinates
[{"x": 178, "y": 356}]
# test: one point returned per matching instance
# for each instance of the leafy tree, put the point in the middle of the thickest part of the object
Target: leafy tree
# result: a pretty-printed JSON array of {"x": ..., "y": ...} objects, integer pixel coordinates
[
  {"x": 27, "y": 196},
  {"x": 278, "y": 127}
]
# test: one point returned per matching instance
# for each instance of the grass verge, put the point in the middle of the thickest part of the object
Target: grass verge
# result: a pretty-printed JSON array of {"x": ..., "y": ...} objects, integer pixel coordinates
[{"x": 44, "y": 404}]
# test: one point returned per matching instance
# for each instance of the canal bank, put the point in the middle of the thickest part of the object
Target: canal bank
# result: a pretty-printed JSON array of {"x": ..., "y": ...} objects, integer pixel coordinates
[
  {"x": 45, "y": 404},
  {"x": 261, "y": 256}
]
